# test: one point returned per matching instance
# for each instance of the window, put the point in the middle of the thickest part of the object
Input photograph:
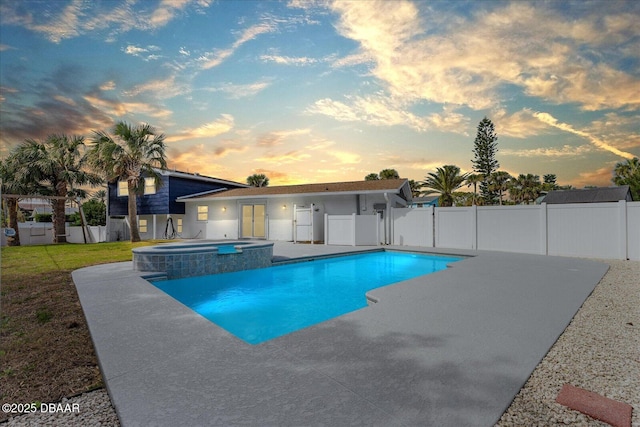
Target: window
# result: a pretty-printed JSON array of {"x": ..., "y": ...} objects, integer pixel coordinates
[
  {"x": 179, "y": 225},
  {"x": 142, "y": 225},
  {"x": 123, "y": 189},
  {"x": 149, "y": 186},
  {"x": 203, "y": 213}
]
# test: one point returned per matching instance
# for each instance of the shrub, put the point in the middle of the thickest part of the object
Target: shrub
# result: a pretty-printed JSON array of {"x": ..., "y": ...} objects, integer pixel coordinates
[{"x": 44, "y": 217}]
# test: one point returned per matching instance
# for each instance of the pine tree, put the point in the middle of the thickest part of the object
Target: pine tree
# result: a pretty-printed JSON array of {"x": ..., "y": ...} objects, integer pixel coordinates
[{"x": 485, "y": 163}]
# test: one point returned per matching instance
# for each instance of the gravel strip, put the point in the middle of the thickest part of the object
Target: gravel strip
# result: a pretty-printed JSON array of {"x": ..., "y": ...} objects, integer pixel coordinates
[
  {"x": 86, "y": 410},
  {"x": 599, "y": 351}
]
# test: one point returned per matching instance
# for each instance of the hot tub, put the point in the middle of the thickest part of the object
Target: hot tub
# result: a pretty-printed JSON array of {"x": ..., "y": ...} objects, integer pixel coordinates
[{"x": 188, "y": 259}]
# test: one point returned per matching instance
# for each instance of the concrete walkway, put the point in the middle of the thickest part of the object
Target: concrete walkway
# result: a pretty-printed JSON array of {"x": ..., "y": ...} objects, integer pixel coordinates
[{"x": 448, "y": 349}]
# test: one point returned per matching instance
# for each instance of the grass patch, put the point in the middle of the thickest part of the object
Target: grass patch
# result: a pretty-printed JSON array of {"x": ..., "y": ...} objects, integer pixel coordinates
[
  {"x": 47, "y": 353},
  {"x": 43, "y": 315}
]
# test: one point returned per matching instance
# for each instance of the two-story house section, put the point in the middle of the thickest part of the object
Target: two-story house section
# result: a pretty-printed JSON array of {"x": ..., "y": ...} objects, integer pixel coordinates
[{"x": 159, "y": 215}]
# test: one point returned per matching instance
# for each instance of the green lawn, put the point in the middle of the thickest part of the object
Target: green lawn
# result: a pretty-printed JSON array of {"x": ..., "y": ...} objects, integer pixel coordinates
[
  {"x": 45, "y": 347},
  {"x": 21, "y": 260}
]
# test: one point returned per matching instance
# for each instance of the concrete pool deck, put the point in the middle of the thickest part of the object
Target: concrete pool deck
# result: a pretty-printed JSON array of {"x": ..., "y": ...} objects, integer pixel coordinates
[{"x": 451, "y": 348}]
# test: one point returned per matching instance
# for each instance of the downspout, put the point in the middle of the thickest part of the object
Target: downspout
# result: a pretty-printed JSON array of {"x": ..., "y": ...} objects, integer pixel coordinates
[{"x": 387, "y": 222}]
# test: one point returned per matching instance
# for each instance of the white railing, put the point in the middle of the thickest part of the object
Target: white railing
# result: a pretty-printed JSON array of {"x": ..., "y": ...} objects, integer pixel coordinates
[{"x": 593, "y": 230}]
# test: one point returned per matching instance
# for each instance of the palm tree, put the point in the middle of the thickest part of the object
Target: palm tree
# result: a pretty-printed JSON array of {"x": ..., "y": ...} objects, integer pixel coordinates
[
  {"x": 499, "y": 181},
  {"x": 415, "y": 188},
  {"x": 55, "y": 167},
  {"x": 474, "y": 179},
  {"x": 131, "y": 154},
  {"x": 99, "y": 196},
  {"x": 549, "y": 182},
  {"x": 13, "y": 184},
  {"x": 444, "y": 181},
  {"x": 628, "y": 173},
  {"x": 525, "y": 188},
  {"x": 258, "y": 180},
  {"x": 389, "y": 174}
]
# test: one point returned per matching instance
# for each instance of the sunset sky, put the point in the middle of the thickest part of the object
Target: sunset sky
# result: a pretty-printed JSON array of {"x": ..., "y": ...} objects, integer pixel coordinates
[{"x": 324, "y": 91}]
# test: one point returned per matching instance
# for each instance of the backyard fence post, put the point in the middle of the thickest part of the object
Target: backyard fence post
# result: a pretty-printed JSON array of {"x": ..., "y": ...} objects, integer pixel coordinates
[
  {"x": 353, "y": 229},
  {"x": 474, "y": 227},
  {"x": 622, "y": 230},
  {"x": 326, "y": 228},
  {"x": 544, "y": 230}
]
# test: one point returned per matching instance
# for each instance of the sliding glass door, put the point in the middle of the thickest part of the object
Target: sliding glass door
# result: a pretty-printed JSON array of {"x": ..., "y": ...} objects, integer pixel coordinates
[{"x": 253, "y": 221}]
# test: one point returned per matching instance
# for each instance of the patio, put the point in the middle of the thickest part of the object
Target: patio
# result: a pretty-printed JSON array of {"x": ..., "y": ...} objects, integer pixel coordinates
[{"x": 450, "y": 348}]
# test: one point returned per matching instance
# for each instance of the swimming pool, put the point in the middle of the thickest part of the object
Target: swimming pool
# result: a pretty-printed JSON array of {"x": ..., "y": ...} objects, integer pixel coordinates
[{"x": 262, "y": 304}]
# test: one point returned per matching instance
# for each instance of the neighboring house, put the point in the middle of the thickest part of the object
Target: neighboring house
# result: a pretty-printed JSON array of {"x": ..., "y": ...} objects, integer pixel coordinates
[
  {"x": 276, "y": 213},
  {"x": 589, "y": 195},
  {"x": 424, "y": 202},
  {"x": 158, "y": 204},
  {"x": 34, "y": 206}
]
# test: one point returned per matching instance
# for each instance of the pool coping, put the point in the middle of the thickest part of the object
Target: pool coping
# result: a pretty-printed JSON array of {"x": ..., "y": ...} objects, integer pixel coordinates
[{"x": 492, "y": 318}]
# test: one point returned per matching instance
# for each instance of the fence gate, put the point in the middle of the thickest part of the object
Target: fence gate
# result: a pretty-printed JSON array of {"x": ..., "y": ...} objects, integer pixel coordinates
[{"x": 303, "y": 224}]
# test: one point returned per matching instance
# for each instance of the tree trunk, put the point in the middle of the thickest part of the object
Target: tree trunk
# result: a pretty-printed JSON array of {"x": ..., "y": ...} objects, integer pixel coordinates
[
  {"x": 59, "y": 219},
  {"x": 133, "y": 212},
  {"x": 12, "y": 207}
]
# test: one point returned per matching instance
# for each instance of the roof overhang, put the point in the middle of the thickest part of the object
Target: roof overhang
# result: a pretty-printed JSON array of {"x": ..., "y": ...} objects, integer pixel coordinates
[{"x": 403, "y": 190}]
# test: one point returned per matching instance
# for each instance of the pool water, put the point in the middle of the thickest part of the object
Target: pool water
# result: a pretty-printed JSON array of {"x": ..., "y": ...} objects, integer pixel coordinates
[
  {"x": 262, "y": 304},
  {"x": 227, "y": 249}
]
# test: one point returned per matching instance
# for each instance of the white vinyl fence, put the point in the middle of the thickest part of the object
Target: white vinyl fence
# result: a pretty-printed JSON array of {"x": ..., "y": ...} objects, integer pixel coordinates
[
  {"x": 41, "y": 233},
  {"x": 594, "y": 230},
  {"x": 352, "y": 230}
]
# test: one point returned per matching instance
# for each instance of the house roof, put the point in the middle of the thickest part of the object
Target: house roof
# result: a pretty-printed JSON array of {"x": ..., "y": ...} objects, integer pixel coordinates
[
  {"x": 198, "y": 177},
  {"x": 399, "y": 186},
  {"x": 589, "y": 195}
]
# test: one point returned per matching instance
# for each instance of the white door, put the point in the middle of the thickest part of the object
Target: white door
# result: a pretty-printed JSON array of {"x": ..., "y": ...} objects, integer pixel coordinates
[{"x": 304, "y": 225}]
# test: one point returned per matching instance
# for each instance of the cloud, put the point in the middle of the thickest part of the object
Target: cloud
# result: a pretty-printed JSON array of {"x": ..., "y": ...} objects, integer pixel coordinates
[
  {"x": 208, "y": 130},
  {"x": 351, "y": 60},
  {"x": 521, "y": 124},
  {"x": 288, "y": 60},
  {"x": 278, "y": 137},
  {"x": 120, "y": 109},
  {"x": 166, "y": 12},
  {"x": 345, "y": 157},
  {"x": 238, "y": 91},
  {"x": 142, "y": 52},
  {"x": 293, "y": 156},
  {"x": 456, "y": 60},
  {"x": 110, "y": 85},
  {"x": 65, "y": 100},
  {"x": 566, "y": 151},
  {"x": 620, "y": 131},
  {"x": 553, "y": 122},
  {"x": 6, "y": 89},
  {"x": 63, "y": 25},
  {"x": 160, "y": 88},
  {"x": 600, "y": 177},
  {"x": 213, "y": 59},
  {"x": 81, "y": 17},
  {"x": 381, "y": 110},
  {"x": 376, "y": 110},
  {"x": 198, "y": 159}
]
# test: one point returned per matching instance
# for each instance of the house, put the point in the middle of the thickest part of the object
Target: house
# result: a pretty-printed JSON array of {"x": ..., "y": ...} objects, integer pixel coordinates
[
  {"x": 287, "y": 212},
  {"x": 159, "y": 214},
  {"x": 425, "y": 202},
  {"x": 589, "y": 195},
  {"x": 31, "y": 207}
]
